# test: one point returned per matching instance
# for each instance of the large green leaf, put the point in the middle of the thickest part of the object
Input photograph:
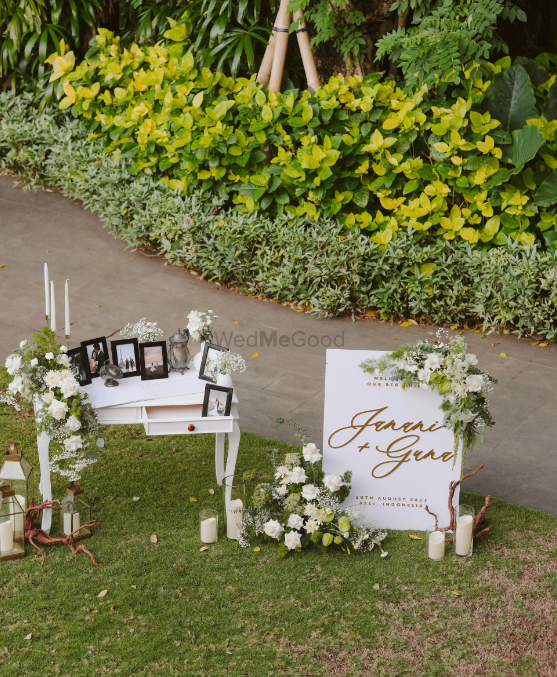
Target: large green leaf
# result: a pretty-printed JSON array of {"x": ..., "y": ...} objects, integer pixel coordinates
[
  {"x": 550, "y": 106},
  {"x": 526, "y": 143},
  {"x": 546, "y": 195},
  {"x": 538, "y": 74},
  {"x": 510, "y": 98}
]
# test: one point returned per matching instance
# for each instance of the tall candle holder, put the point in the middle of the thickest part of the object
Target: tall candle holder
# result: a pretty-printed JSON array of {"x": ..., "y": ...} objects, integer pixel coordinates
[
  {"x": 435, "y": 543},
  {"x": 12, "y": 529},
  {"x": 463, "y": 540},
  {"x": 209, "y": 526},
  {"x": 234, "y": 500}
]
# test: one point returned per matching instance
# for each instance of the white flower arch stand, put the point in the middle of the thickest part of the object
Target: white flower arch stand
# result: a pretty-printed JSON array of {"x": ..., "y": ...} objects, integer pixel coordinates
[{"x": 166, "y": 416}]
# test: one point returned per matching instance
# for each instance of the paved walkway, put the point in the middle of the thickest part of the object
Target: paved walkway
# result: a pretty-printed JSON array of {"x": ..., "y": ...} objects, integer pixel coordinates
[{"x": 111, "y": 286}]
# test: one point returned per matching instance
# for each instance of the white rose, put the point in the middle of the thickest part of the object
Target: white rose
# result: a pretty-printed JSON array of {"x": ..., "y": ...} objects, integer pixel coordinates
[
  {"x": 34, "y": 362},
  {"x": 311, "y": 526},
  {"x": 64, "y": 360},
  {"x": 298, "y": 475},
  {"x": 63, "y": 349},
  {"x": 273, "y": 529},
  {"x": 471, "y": 358},
  {"x": 58, "y": 409},
  {"x": 433, "y": 362},
  {"x": 310, "y": 492},
  {"x": 69, "y": 387},
  {"x": 333, "y": 482},
  {"x": 282, "y": 490},
  {"x": 311, "y": 453},
  {"x": 51, "y": 378},
  {"x": 475, "y": 383},
  {"x": 73, "y": 443},
  {"x": 295, "y": 521},
  {"x": 73, "y": 423},
  {"x": 23, "y": 344},
  {"x": 16, "y": 386},
  {"x": 460, "y": 390},
  {"x": 292, "y": 540},
  {"x": 424, "y": 374},
  {"x": 286, "y": 479},
  {"x": 13, "y": 363},
  {"x": 48, "y": 397},
  {"x": 49, "y": 356}
]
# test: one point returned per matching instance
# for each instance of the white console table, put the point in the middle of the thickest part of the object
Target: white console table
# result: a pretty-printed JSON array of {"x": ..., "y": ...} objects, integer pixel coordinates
[{"x": 165, "y": 416}]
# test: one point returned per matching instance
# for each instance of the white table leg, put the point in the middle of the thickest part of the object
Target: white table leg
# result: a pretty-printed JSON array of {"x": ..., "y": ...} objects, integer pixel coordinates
[
  {"x": 219, "y": 456},
  {"x": 233, "y": 444},
  {"x": 45, "y": 487}
]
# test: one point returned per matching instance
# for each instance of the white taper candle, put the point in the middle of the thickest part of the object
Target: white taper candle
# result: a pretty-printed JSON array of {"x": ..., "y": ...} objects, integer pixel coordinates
[
  {"x": 52, "y": 307},
  {"x": 46, "y": 292},
  {"x": 67, "y": 308}
]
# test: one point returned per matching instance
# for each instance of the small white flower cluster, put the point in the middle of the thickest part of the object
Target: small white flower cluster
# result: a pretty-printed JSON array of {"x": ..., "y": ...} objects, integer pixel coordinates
[
  {"x": 200, "y": 325},
  {"x": 229, "y": 362},
  {"x": 143, "y": 331}
]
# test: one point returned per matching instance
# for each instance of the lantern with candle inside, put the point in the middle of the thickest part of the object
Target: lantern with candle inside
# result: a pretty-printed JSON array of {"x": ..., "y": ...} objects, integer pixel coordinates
[
  {"x": 463, "y": 540},
  {"x": 234, "y": 490},
  {"x": 435, "y": 543},
  {"x": 18, "y": 472},
  {"x": 76, "y": 510},
  {"x": 12, "y": 535},
  {"x": 209, "y": 526}
]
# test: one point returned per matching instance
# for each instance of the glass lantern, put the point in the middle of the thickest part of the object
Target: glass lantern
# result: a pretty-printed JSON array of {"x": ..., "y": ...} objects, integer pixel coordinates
[
  {"x": 12, "y": 533},
  {"x": 18, "y": 472},
  {"x": 76, "y": 510},
  {"x": 234, "y": 494},
  {"x": 178, "y": 353}
]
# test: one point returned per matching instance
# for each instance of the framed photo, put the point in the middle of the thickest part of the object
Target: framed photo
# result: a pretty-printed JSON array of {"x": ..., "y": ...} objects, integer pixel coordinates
[
  {"x": 125, "y": 353},
  {"x": 209, "y": 370},
  {"x": 217, "y": 401},
  {"x": 97, "y": 355},
  {"x": 153, "y": 361},
  {"x": 80, "y": 364}
]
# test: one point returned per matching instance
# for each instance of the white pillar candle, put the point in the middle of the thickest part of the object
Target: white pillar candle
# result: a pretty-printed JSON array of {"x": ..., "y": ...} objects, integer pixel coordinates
[
  {"x": 68, "y": 522},
  {"x": 6, "y": 536},
  {"x": 436, "y": 545},
  {"x": 67, "y": 314},
  {"x": 17, "y": 518},
  {"x": 52, "y": 307},
  {"x": 464, "y": 525},
  {"x": 46, "y": 292},
  {"x": 209, "y": 530},
  {"x": 234, "y": 514}
]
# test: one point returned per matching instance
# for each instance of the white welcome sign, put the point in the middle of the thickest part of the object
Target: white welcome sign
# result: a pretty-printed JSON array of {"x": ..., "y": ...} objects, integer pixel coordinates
[{"x": 392, "y": 439}]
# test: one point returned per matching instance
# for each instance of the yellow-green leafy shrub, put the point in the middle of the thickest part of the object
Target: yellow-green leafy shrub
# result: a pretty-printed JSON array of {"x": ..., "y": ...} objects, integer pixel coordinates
[{"x": 382, "y": 160}]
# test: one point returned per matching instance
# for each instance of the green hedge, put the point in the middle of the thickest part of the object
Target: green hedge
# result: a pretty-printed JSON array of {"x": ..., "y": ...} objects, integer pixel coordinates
[{"x": 315, "y": 264}]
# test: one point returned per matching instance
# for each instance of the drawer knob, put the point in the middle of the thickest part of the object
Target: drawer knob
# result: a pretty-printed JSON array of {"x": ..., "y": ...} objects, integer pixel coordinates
[{"x": 191, "y": 427}]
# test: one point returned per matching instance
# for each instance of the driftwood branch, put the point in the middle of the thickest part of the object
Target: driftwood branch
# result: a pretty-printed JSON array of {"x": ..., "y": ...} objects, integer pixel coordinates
[
  {"x": 479, "y": 530},
  {"x": 33, "y": 533},
  {"x": 434, "y": 515}
]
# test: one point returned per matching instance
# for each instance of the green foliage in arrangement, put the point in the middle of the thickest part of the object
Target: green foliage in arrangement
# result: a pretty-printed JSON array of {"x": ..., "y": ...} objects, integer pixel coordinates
[
  {"x": 318, "y": 265},
  {"x": 379, "y": 159}
]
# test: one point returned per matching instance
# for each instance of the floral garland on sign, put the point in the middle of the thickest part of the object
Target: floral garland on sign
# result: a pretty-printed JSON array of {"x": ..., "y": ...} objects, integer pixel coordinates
[
  {"x": 450, "y": 369},
  {"x": 301, "y": 509},
  {"x": 41, "y": 369}
]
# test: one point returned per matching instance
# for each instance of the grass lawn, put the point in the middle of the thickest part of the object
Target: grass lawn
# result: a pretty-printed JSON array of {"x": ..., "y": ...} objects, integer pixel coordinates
[{"x": 173, "y": 610}]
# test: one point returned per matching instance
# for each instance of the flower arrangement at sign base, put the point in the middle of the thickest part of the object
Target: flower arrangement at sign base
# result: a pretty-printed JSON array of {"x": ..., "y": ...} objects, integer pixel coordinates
[
  {"x": 42, "y": 374},
  {"x": 450, "y": 369},
  {"x": 143, "y": 331},
  {"x": 201, "y": 324},
  {"x": 302, "y": 509}
]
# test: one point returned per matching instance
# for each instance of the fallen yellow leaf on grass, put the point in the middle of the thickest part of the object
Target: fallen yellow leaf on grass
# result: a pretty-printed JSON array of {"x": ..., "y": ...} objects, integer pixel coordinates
[
  {"x": 134, "y": 587},
  {"x": 406, "y": 324},
  {"x": 503, "y": 355},
  {"x": 236, "y": 322},
  {"x": 351, "y": 632},
  {"x": 542, "y": 345},
  {"x": 211, "y": 491},
  {"x": 255, "y": 355},
  {"x": 29, "y": 636},
  {"x": 102, "y": 593},
  {"x": 205, "y": 547},
  {"x": 416, "y": 538},
  {"x": 257, "y": 549},
  {"x": 154, "y": 538},
  {"x": 454, "y": 592},
  {"x": 193, "y": 500},
  {"x": 376, "y": 586}
]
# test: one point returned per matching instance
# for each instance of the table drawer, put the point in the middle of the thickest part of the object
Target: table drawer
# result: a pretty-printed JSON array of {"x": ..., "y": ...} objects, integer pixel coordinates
[
  {"x": 114, "y": 416},
  {"x": 176, "y": 420}
]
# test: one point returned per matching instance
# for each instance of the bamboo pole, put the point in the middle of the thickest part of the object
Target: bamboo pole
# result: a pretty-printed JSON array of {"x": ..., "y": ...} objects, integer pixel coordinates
[
  {"x": 265, "y": 69},
  {"x": 281, "y": 44},
  {"x": 307, "y": 54}
]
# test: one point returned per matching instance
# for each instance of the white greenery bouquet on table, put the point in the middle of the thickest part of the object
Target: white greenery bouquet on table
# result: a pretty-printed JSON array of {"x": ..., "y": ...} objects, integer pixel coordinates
[
  {"x": 229, "y": 362},
  {"x": 41, "y": 369},
  {"x": 143, "y": 331},
  {"x": 200, "y": 325},
  {"x": 301, "y": 509},
  {"x": 451, "y": 370}
]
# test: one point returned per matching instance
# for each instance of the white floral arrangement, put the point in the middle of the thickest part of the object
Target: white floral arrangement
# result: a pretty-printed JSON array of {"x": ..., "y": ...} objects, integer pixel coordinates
[
  {"x": 42, "y": 375},
  {"x": 201, "y": 324},
  {"x": 229, "y": 362},
  {"x": 143, "y": 331},
  {"x": 452, "y": 371},
  {"x": 301, "y": 509}
]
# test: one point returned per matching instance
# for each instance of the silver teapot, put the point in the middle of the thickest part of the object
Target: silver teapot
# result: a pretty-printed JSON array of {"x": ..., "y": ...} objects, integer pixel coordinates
[{"x": 178, "y": 352}]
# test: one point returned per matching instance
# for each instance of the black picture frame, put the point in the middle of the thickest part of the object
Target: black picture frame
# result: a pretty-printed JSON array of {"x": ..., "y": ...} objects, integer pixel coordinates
[
  {"x": 117, "y": 355},
  {"x": 205, "y": 413},
  {"x": 78, "y": 358},
  {"x": 147, "y": 373},
  {"x": 204, "y": 374},
  {"x": 89, "y": 347}
]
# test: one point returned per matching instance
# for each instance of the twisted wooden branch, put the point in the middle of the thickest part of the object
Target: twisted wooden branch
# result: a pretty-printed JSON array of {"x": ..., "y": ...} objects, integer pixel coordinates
[{"x": 33, "y": 533}]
